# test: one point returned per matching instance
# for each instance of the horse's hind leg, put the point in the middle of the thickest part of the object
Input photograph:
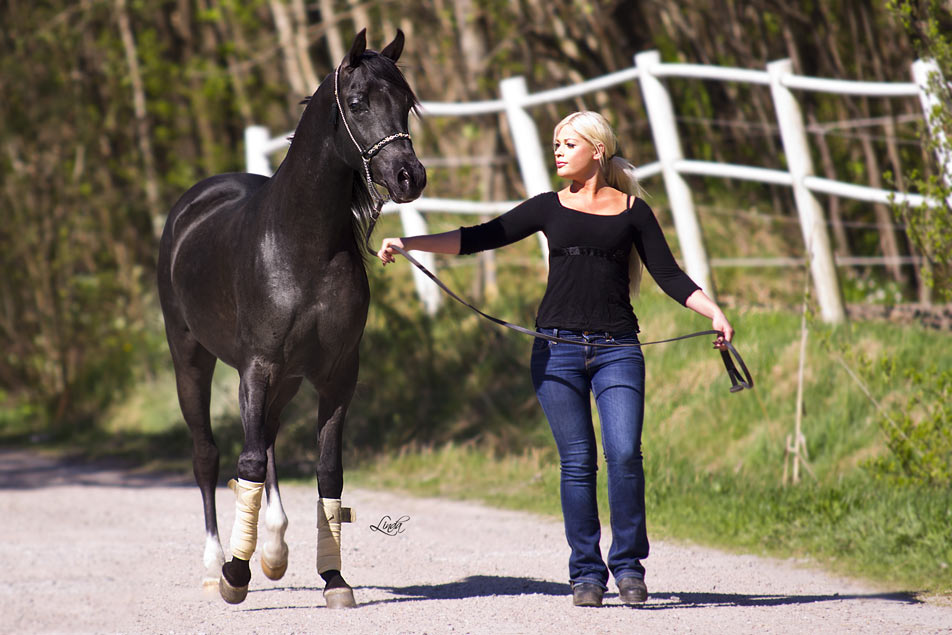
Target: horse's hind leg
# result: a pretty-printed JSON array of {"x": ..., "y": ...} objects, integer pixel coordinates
[
  {"x": 274, "y": 551},
  {"x": 194, "y": 368}
]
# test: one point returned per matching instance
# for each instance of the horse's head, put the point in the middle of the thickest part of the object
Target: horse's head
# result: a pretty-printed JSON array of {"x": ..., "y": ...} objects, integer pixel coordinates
[{"x": 375, "y": 101}]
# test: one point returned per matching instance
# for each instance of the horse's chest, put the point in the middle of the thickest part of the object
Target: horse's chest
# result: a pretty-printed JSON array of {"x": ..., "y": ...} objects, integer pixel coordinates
[{"x": 301, "y": 311}]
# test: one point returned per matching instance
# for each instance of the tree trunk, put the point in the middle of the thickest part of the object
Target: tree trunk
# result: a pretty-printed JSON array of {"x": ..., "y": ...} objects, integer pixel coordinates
[
  {"x": 286, "y": 38},
  {"x": 139, "y": 106},
  {"x": 229, "y": 30},
  {"x": 335, "y": 45},
  {"x": 302, "y": 46}
]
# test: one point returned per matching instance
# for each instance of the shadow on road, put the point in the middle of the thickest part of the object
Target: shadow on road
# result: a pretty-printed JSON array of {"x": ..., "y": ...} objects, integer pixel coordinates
[
  {"x": 25, "y": 469},
  {"x": 475, "y": 586},
  {"x": 676, "y": 600},
  {"x": 489, "y": 586}
]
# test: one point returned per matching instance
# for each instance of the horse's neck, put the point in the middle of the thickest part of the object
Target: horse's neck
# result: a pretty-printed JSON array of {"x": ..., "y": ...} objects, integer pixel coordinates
[{"x": 311, "y": 192}]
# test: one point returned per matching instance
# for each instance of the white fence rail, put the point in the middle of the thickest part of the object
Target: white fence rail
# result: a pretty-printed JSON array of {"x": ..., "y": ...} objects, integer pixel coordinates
[{"x": 671, "y": 164}]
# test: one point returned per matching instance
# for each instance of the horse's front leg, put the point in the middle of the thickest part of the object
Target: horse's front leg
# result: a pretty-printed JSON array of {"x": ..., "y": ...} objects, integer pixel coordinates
[
  {"x": 252, "y": 467},
  {"x": 330, "y": 484}
]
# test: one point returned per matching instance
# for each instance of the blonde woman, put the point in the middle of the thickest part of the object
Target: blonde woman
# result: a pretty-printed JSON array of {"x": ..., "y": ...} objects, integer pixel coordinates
[{"x": 599, "y": 232}]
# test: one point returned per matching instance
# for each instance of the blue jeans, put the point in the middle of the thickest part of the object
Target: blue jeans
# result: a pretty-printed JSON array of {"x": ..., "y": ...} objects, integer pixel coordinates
[{"x": 564, "y": 376}]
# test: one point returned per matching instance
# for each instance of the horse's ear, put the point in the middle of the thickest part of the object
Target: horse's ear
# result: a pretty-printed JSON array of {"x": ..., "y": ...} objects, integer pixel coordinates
[
  {"x": 357, "y": 48},
  {"x": 394, "y": 49}
]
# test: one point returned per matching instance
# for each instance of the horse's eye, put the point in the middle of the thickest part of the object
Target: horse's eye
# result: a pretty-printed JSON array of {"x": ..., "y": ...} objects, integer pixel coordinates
[{"x": 355, "y": 104}]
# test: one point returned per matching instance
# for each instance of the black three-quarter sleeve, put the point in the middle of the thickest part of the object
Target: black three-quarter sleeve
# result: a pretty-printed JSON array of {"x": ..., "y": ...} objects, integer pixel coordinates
[
  {"x": 657, "y": 256},
  {"x": 521, "y": 221}
]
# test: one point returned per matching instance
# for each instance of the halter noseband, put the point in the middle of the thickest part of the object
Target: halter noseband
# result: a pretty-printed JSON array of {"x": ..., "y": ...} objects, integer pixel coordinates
[{"x": 366, "y": 156}]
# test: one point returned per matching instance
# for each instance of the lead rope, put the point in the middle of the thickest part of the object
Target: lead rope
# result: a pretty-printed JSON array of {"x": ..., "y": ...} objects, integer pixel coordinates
[{"x": 738, "y": 381}]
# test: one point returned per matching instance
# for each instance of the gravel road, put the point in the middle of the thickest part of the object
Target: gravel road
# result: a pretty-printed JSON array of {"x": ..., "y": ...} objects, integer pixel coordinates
[{"x": 99, "y": 549}]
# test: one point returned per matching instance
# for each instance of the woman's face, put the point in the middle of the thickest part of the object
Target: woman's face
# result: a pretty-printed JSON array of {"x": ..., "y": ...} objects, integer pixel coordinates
[{"x": 575, "y": 158}]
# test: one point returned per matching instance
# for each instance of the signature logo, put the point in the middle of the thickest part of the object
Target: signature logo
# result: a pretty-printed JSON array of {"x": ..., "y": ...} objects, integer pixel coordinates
[{"x": 389, "y": 526}]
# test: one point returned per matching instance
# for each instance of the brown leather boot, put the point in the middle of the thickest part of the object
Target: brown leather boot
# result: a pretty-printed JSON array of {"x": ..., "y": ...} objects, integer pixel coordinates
[
  {"x": 632, "y": 590},
  {"x": 587, "y": 594}
]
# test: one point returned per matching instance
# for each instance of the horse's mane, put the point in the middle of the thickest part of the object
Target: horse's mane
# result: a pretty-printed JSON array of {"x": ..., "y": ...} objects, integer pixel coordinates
[{"x": 362, "y": 202}]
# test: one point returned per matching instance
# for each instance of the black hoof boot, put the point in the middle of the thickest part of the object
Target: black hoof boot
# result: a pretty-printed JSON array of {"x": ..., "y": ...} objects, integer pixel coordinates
[{"x": 233, "y": 585}]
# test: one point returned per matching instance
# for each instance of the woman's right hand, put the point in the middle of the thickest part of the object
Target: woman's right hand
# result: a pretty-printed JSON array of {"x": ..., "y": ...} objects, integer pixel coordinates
[{"x": 386, "y": 253}]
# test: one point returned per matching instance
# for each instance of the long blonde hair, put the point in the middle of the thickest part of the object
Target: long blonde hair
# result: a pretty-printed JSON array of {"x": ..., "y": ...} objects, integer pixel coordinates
[{"x": 617, "y": 171}]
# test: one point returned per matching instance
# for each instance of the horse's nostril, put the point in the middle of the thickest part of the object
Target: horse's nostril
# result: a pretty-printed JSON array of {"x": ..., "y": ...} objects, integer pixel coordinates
[{"x": 403, "y": 176}]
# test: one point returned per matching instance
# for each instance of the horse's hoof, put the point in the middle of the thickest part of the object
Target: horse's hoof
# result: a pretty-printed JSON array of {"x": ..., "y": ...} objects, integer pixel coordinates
[
  {"x": 210, "y": 583},
  {"x": 340, "y": 598},
  {"x": 274, "y": 572},
  {"x": 232, "y": 594}
]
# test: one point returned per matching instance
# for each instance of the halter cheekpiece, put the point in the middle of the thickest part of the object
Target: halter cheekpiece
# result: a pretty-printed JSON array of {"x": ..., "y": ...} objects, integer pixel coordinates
[{"x": 366, "y": 155}]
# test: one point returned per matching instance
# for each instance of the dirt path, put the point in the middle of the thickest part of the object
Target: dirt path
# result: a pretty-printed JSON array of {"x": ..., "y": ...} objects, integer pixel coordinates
[{"x": 100, "y": 549}]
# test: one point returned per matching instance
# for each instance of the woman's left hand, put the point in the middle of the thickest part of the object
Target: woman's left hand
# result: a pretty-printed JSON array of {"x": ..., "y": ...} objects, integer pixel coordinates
[
  {"x": 720, "y": 323},
  {"x": 701, "y": 303}
]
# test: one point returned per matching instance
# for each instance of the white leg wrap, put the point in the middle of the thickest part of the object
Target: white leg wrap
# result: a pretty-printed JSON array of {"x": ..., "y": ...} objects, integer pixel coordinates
[
  {"x": 330, "y": 515},
  {"x": 244, "y": 536}
]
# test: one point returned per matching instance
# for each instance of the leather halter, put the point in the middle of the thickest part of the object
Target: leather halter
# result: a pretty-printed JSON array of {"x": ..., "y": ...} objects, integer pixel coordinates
[{"x": 367, "y": 155}]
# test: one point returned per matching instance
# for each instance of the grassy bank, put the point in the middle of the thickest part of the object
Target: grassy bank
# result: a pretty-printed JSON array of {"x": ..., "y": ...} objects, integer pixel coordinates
[
  {"x": 897, "y": 537},
  {"x": 715, "y": 461}
]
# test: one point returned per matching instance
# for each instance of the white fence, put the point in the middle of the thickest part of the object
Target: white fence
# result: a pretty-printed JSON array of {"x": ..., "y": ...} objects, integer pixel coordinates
[{"x": 671, "y": 164}]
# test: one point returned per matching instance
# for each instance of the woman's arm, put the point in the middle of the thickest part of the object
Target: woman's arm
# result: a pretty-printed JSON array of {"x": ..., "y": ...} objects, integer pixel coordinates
[
  {"x": 516, "y": 224},
  {"x": 445, "y": 243},
  {"x": 701, "y": 303}
]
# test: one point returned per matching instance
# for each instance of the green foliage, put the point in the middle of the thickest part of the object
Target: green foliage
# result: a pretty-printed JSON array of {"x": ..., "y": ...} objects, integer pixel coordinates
[
  {"x": 929, "y": 23},
  {"x": 918, "y": 428},
  {"x": 868, "y": 287},
  {"x": 855, "y": 524},
  {"x": 78, "y": 243}
]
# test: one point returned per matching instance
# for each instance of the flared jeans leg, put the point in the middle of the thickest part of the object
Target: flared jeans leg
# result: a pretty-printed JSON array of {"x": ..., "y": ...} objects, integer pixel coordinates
[
  {"x": 618, "y": 381},
  {"x": 564, "y": 376}
]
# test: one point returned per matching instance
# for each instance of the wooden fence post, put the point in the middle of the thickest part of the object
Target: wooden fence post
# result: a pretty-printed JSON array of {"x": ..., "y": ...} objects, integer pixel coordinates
[
  {"x": 812, "y": 220},
  {"x": 664, "y": 130},
  {"x": 923, "y": 72},
  {"x": 256, "y": 158},
  {"x": 525, "y": 138},
  {"x": 414, "y": 225}
]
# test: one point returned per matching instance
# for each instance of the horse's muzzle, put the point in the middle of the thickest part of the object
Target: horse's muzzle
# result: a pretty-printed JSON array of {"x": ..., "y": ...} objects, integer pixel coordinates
[
  {"x": 408, "y": 181},
  {"x": 404, "y": 178}
]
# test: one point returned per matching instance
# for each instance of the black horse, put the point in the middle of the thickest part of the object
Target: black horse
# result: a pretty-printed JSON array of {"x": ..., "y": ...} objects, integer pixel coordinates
[{"x": 267, "y": 275}]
